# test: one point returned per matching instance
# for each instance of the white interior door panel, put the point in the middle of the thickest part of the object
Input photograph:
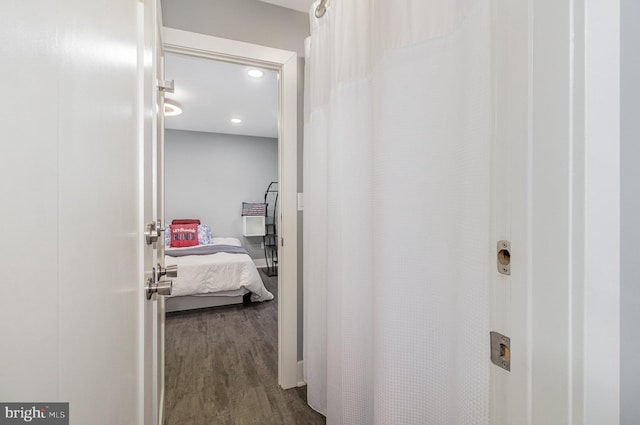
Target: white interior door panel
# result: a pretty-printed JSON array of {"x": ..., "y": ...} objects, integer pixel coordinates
[{"x": 73, "y": 201}]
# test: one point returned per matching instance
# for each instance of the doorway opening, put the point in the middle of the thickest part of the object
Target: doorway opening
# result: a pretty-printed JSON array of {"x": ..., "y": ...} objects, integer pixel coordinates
[{"x": 284, "y": 65}]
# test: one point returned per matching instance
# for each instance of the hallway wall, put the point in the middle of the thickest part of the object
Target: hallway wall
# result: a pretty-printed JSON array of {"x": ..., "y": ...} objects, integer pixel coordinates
[{"x": 251, "y": 21}]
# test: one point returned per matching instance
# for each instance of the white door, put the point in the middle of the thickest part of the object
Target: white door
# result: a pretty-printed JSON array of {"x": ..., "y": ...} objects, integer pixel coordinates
[{"x": 74, "y": 198}]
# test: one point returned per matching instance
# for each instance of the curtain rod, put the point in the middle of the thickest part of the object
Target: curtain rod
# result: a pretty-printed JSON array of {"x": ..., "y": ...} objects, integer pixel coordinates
[{"x": 321, "y": 9}]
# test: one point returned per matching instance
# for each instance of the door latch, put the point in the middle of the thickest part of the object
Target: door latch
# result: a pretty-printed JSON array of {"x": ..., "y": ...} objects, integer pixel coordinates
[
  {"x": 501, "y": 351},
  {"x": 504, "y": 257}
]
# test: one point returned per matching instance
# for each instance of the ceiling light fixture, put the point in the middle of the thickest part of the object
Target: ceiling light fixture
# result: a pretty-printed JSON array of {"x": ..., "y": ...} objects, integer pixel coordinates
[
  {"x": 236, "y": 120},
  {"x": 171, "y": 108},
  {"x": 255, "y": 73}
]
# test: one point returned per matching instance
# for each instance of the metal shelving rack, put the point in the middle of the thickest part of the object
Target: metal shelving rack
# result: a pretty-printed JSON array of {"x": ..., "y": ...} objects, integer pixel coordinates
[{"x": 270, "y": 238}]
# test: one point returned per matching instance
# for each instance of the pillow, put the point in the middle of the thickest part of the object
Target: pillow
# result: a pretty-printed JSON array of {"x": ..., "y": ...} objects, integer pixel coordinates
[
  {"x": 204, "y": 234},
  {"x": 183, "y": 235}
]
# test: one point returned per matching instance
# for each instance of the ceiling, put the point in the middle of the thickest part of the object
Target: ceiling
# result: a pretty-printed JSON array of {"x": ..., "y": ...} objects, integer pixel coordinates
[{"x": 211, "y": 93}]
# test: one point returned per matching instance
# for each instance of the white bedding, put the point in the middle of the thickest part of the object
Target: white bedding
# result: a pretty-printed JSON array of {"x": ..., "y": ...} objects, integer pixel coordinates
[{"x": 207, "y": 274}]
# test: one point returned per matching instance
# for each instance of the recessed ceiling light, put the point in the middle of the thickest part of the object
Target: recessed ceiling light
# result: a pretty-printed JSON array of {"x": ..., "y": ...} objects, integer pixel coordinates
[
  {"x": 255, "y": 73},
  {"x": 236, "y": 120},
  {"x": 171, "y": 108}
]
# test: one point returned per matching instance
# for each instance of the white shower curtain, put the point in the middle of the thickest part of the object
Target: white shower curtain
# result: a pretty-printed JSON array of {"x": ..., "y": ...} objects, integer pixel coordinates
[{"x": 397, "y": 212}]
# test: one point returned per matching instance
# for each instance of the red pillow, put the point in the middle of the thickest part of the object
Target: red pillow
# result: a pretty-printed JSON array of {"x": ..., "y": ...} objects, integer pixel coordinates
[
  {"x": 184, "y": 235},
  {"x": 186, "y": 221}
]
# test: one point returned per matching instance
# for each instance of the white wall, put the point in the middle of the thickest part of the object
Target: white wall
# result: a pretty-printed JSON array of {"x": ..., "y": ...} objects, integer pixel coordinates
[
  {"x": 209, "y": 175},
  {"x": 602, "y": 211},
  {"x": 251, "y": 21},
  {"x": 630, "y": 226}
]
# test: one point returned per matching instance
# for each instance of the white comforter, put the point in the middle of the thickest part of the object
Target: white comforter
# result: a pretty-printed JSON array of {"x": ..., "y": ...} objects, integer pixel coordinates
[{"x": 207, "y": 274}]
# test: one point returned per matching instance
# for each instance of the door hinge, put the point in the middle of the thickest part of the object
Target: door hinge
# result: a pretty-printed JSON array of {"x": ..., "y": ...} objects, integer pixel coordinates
[
  {"x": 166, "y": 86},
  {"x": 501, "y": 351}
]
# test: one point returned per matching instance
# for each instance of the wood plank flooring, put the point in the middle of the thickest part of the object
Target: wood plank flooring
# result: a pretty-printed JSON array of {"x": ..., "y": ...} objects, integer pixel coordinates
[{"x": 221, "y": 368}]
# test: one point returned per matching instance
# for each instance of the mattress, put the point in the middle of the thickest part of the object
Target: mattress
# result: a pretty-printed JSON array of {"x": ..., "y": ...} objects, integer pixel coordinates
[{"x": 215, "y": 273}]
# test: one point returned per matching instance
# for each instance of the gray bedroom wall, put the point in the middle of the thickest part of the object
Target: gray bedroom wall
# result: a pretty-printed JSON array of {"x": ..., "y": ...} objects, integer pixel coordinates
[
  {"x": 630, "y": 238},
  {"x": 209, "y": 175},
  {"x": 251, "y": 21}
]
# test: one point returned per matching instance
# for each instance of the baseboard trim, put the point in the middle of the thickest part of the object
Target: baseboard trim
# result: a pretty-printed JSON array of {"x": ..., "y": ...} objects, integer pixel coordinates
[{"x": 300, "y": 374}]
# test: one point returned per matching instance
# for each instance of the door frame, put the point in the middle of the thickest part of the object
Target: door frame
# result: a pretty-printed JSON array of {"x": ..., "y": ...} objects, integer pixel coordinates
[
  {"x": 285, "y": 63},
  {"x": 557, "y": 151},
  {"x": 158, "y": 175}
]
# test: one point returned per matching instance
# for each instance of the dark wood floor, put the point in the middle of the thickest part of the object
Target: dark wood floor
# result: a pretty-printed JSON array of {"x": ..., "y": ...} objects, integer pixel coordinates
[{"x": 221, "y": 368}]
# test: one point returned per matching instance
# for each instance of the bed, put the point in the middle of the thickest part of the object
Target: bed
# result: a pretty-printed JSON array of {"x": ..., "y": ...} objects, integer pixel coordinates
[{"x": 213, "y": 274}]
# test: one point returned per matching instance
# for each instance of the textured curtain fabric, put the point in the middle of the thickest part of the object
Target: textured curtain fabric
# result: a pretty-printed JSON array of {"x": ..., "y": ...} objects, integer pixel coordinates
[{"x": 397, "y": 169}]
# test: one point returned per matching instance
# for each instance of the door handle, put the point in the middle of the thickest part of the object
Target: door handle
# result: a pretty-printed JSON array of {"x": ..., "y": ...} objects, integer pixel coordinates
[
  {"x": 163, "y": 287},
  {"x": 169, "y": 271}
]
